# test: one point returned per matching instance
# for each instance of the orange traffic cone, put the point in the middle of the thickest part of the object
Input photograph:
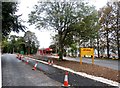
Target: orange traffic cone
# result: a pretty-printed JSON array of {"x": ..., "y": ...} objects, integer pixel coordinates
[
  {"x": 66, "y": 80},
  {"x": 27, "y": 61},
  {"x": 19, "y": 57},
  {"x": 49, "y": 62},
  {"x": 34, "y": 68},
  {"x": 52, "y": 62},
  {"x": 22, "y": 58},
  {"x": 56, "y": 55}
]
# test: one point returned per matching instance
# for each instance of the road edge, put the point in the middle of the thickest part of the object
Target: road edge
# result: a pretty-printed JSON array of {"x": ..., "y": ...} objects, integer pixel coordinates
[{"x": 99, "y": 79}]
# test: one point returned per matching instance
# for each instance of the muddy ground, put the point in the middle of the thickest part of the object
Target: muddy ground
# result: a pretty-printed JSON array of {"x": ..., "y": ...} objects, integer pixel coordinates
[{"x": 86, "y": 68}]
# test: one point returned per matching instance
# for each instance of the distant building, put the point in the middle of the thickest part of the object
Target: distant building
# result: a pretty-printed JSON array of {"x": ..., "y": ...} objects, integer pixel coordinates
[{"x": 44, "y": 51}]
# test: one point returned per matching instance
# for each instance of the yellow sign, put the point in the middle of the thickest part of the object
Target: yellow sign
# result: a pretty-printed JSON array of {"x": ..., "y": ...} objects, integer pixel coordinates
[{"x": 87, "y": 51}]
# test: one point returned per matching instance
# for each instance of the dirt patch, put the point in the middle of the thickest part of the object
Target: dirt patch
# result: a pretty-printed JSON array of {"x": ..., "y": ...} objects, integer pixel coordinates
[{"x": 88, "y": 68}]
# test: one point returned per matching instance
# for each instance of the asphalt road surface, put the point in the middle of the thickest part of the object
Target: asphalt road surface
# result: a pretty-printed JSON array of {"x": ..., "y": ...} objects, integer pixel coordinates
[
  {"x": 16, "y": 72},
  {"x": 113, "y": 64}
]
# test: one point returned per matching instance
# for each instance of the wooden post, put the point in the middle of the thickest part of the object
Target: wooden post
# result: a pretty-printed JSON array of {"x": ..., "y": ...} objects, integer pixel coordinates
[
  {"x": 80, "y": 60},
  {"x": 92, "y": 59}
]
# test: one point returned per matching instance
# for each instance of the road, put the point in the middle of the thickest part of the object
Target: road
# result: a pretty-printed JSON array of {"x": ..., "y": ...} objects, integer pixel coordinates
[
  {"x": 113, "y": 64},
  {"x": 16, "y": 72}
]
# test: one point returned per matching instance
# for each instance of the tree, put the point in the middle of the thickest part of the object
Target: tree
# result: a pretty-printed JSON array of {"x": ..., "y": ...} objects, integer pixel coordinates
[
  {"x": 116, "y": 27},
  {"x": 60, "y": 16},
  {"x": 10, "y": 21},
  {"x": 13, "y": 42},
  {"x": 54, "y": 48},
  {"x": 4, "y": 45},
  {"x": 109, "y": 21},
  {"x": 31, "y": 41},
  {"x": 105, "y": 22},
  {"x": 17, "y": 44},
  {"x": 73, "y": 49}
]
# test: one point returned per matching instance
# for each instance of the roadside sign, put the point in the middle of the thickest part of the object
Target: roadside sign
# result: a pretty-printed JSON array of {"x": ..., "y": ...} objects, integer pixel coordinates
[
  {"x": 86, "y": 51},
  {"x": 21, "y": 52}
]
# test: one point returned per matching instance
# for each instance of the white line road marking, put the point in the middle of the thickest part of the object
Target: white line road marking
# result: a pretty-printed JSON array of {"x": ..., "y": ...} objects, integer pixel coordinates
[{"x": 100, "y": 79}]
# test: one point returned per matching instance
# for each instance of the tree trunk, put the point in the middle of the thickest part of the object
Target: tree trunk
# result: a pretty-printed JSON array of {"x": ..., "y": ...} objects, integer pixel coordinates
[
  {"x": 29, "y": 47},
  {"x": 60, "y": 46},
  {"x": 118, "y": 36},
  {"x": 13, "y": 49},
  {"x": 118, "y": 45},
  {"x": 108, "y": 55},
  {"x": 56, "y": 49},
  {"x": 28, "y": 50},
  {"x": 98, "y": 48}
]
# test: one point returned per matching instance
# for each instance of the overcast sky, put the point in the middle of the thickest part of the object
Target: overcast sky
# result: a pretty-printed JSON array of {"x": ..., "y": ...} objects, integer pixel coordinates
[{"x": 44, "y": 37}]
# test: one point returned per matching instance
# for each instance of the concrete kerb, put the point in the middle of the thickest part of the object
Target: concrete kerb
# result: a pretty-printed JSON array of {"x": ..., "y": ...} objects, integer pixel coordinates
[{"x": 99, "y": 79}]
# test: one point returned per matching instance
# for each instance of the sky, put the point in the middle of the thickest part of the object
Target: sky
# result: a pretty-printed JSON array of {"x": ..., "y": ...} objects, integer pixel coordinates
[{"x": 44, "y": 37}]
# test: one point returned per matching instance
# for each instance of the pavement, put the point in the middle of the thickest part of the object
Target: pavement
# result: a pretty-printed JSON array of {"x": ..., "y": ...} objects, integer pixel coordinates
[{"x": 113, "y": 64}]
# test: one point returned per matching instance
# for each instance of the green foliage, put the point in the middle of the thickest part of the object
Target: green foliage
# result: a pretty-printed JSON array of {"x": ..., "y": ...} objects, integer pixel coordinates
[
  {"x": 53, "y": 47},
  {"x": 10, "y": 21},
  {"x": 18, "y": 44},
  {"x": 31, "y": 39},
  {"x": 110, "y": 28},
  {"x": 31, "y": 42},
  {"x": 68, "y": 19}
]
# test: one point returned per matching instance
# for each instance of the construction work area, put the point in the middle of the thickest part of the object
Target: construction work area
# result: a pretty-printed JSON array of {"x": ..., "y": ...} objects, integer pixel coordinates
[{"x": 90, "y": 69}]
